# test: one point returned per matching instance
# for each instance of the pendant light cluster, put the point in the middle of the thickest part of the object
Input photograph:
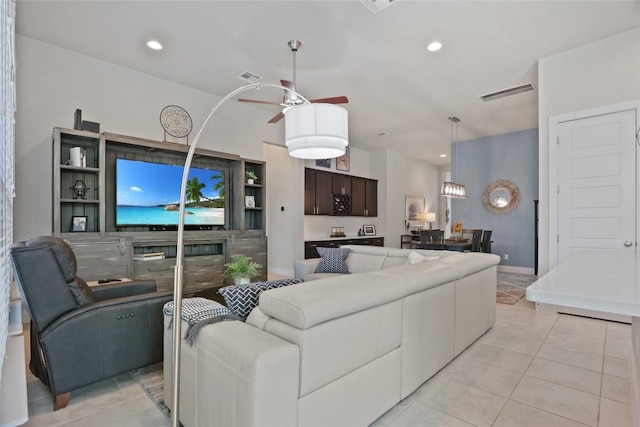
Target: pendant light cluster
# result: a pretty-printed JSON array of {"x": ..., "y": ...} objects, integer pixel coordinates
[{"x": 450, "y": 188}]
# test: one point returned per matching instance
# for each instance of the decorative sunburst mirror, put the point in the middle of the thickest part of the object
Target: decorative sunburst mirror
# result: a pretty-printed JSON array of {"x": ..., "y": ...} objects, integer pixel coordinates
[{"x": 501, "y": 197}]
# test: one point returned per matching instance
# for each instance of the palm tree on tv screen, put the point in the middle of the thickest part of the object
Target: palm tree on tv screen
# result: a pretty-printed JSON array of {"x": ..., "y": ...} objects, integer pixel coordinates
[
  {"x": 194, "y": 190},
  {"x": 219, "y": 187}
]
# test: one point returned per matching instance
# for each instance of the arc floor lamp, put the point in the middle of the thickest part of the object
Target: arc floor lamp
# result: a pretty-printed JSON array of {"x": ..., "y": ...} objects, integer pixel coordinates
[{"x": 312, "y": 131}]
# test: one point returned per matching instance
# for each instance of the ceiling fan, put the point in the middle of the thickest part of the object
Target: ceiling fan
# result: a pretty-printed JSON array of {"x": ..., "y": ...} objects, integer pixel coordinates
[{"x": 290, "y": 99}]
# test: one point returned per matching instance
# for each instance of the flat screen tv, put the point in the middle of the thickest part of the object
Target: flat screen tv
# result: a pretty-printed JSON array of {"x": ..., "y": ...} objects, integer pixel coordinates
[{"x": 148, "y": 193}]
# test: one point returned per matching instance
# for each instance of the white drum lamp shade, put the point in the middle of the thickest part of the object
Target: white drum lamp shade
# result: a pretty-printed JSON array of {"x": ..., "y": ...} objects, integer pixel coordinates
[{"x": 316, "y": 131}]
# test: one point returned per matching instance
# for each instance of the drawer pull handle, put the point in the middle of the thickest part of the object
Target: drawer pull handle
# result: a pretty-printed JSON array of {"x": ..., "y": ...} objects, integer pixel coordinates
[
  {"x": 155, "y": 270},
  {"x": 205, "y": 265}
]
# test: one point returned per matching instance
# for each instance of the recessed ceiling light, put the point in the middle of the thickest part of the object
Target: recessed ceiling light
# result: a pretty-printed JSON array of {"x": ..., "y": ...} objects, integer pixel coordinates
[
  {"x": 154, "y": 44},
  {"x": 443, "y": 155},
  {"x": 434, "y": 46},
  {"x": 382, "y": 134}
]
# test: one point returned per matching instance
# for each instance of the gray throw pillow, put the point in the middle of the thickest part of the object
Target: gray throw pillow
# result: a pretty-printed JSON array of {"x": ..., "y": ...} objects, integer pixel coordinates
[{"x": 333, "y": 260}]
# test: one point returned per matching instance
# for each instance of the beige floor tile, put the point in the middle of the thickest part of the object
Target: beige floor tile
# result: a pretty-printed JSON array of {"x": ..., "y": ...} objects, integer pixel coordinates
[
  {"x": 386, "y": 418},
  {"x": 581, "y": 359},
  {"x": 616, "y": 349},
  {"x": 486, "y": 377},
  {"x": 616, "y": 388},
  {"x": 424, "y": 416},
  {"x": 566, "y": 375},
  {"x": 520, "y": 415},
  {"x": 618, "y": 333},
  {"x": 576, "y": 342},
  {"x": 580, "y": 326},
  {"x": 502, "y": 358},
  {"x": 464, "y": 402},
  {"x": 615, "y": 414},
  {"x": 560, "y": 400},
  {"x": 135, "y": 413},
  {"x": 616, "y": 367}
]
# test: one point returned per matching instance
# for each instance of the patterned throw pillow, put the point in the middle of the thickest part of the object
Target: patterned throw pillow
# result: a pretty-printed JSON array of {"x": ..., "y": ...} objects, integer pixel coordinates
[
  {"x": 241, "y": 299},
  {"x": 333, "y": 260}
]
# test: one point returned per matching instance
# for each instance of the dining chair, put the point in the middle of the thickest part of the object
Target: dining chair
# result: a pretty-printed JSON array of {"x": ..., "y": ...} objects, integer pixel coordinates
[
  {"x": 486, "y": 241},
  {"x": 476, "y": 240}
]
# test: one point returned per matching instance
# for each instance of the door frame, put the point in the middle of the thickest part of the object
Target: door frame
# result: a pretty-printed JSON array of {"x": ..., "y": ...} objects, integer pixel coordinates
[{"x": 554, "y": 125}]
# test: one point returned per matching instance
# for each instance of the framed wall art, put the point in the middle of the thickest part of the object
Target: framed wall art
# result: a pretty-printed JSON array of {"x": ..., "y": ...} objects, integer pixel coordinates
[
  {"x": 325, "y": 163},
  {"x": 414, "y": 211},
  {"x": 343, "y": 162}
]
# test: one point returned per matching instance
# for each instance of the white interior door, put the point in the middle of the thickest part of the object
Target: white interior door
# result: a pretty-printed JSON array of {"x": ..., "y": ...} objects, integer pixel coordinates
[{"x": 597, "y": 184}]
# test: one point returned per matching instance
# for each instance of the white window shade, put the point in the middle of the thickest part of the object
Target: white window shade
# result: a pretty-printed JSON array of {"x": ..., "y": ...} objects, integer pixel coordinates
[
  {"x": 7, "y": 125},
  {"x": 316, "y": 131}
]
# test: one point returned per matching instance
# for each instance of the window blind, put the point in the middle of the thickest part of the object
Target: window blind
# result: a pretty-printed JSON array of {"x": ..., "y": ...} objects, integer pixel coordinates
[{"x": 7, "y": 136}]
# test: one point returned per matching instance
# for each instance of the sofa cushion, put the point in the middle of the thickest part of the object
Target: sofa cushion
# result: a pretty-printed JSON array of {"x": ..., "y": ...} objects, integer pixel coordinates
[
  {"x": 241, "y": 299},
  {"x": 333, "y": 260}
]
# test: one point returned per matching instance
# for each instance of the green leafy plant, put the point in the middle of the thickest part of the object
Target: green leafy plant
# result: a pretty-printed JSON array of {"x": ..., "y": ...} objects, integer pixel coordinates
[
  {"x": 241, "y": 267},
  {"x": 252, "y": 175}
]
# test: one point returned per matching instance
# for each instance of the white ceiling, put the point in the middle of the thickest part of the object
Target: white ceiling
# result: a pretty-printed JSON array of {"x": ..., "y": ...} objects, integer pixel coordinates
[{"x": 379, "y": 61}]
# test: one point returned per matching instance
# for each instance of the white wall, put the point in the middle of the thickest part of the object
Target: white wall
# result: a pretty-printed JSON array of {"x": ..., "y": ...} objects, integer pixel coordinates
[
  {"x": 601, "y": 73},
  {"x": 53, "y": 82},
  {"x": 406, "y": 176}
]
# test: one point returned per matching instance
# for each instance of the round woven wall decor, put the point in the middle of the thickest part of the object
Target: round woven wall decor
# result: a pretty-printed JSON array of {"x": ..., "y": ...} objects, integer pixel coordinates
[{"x": 501, "y": 197}]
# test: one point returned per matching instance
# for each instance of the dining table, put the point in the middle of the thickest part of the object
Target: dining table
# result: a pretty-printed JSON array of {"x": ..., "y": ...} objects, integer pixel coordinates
[{"x": 452, "y": 244}]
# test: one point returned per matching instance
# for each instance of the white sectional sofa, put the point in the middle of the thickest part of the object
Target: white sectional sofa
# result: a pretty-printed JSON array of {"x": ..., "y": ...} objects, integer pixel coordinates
[{"x": 339, "y": 350}]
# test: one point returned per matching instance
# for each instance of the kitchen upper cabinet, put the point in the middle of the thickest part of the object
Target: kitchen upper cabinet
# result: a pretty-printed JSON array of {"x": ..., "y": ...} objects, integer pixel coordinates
[
  {"x": 328, "y": 193},
  {"x": 318, "y": 192},
  {"x": 364, "y": 197},
  {"x": 341, "y": 184}
]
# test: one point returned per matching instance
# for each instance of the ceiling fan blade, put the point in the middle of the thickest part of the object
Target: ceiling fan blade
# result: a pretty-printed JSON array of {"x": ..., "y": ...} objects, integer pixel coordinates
[
  {"x": 255, "y": 101},
  {"x": 334, "y": 100},
  {"x": 276, "y": 118}
]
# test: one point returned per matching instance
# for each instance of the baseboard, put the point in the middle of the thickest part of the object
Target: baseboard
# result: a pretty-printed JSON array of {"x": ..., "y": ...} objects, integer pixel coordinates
[{"x": 515, "y": 269}]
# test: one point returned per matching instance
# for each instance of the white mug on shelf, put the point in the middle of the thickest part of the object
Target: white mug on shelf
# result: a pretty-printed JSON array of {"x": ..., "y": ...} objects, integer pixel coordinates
[{"x": 78, "y": 157}]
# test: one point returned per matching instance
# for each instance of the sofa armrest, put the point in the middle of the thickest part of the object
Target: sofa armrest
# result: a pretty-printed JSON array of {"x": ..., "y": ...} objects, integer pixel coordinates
[
  {"x": 259, "y": 371},
  {"x": 303, "y": 267},
  {"x": 124, "y": 289}
]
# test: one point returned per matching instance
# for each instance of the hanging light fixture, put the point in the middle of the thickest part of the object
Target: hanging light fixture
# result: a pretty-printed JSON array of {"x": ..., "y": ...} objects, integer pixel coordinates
[
  {"x": 316, "y": 131},
  {"x": 450, "y": 188}
]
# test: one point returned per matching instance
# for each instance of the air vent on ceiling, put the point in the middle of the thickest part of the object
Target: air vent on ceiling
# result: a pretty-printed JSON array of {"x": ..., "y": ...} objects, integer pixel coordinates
[
  {"x": 250, "y": 77},
  {"x": 507, "y": 92},
  {"x": 376, "y": 6}
]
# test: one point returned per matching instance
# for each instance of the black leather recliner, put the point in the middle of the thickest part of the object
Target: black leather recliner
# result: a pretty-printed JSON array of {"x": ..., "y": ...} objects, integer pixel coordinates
[{"x": 82, "y": 335}]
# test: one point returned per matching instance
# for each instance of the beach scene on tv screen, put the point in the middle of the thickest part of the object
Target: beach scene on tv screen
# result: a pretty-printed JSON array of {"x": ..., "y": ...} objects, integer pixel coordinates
[{"x": 149, "y": 194}]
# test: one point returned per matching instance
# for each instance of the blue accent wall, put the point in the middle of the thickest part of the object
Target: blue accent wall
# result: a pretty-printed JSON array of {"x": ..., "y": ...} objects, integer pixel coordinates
[{"x": 478, "y": 162}]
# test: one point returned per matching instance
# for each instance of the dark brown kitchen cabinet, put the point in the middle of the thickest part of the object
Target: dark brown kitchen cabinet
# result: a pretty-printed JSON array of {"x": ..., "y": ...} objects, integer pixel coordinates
[
  {"x": 328, "y": 193},
  {"x": 342, "y": 184},
  {"x": 318, "y": 192},
  {"x": 364, "y": 197}
]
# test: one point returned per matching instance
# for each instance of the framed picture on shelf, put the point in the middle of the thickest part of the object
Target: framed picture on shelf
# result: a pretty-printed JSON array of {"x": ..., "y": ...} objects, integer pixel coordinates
[
  {"x": 414, "y": 214},
  {"x": 343, "y": 162},
  {"x": 325, "y": 163},
  {"x": 369, "y": 230},
  {"x": 249, "y": 202},
  {"x": 79, "y": 223}
]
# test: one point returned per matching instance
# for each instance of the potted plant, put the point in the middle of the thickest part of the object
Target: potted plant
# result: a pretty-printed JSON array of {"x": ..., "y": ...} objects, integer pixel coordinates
[
  {"x": 252, "y": 178},
  {"x": 241, "y": 269}
]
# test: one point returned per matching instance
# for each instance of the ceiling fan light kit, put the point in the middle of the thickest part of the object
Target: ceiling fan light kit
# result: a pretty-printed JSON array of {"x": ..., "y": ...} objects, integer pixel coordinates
[{"x": 316, "y": 131}]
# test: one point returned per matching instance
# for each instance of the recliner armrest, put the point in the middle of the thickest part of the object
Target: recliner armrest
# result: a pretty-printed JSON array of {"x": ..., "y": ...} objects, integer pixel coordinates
[{"x": 124, "y": 289}]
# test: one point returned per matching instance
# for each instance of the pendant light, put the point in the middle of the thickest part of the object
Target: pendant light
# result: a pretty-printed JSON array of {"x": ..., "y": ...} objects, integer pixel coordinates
[{"x": 450, "y": 188}]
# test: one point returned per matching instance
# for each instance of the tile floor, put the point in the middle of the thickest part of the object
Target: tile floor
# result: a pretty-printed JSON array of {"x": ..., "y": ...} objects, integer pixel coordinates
[{"x": 531, "y": 369}]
